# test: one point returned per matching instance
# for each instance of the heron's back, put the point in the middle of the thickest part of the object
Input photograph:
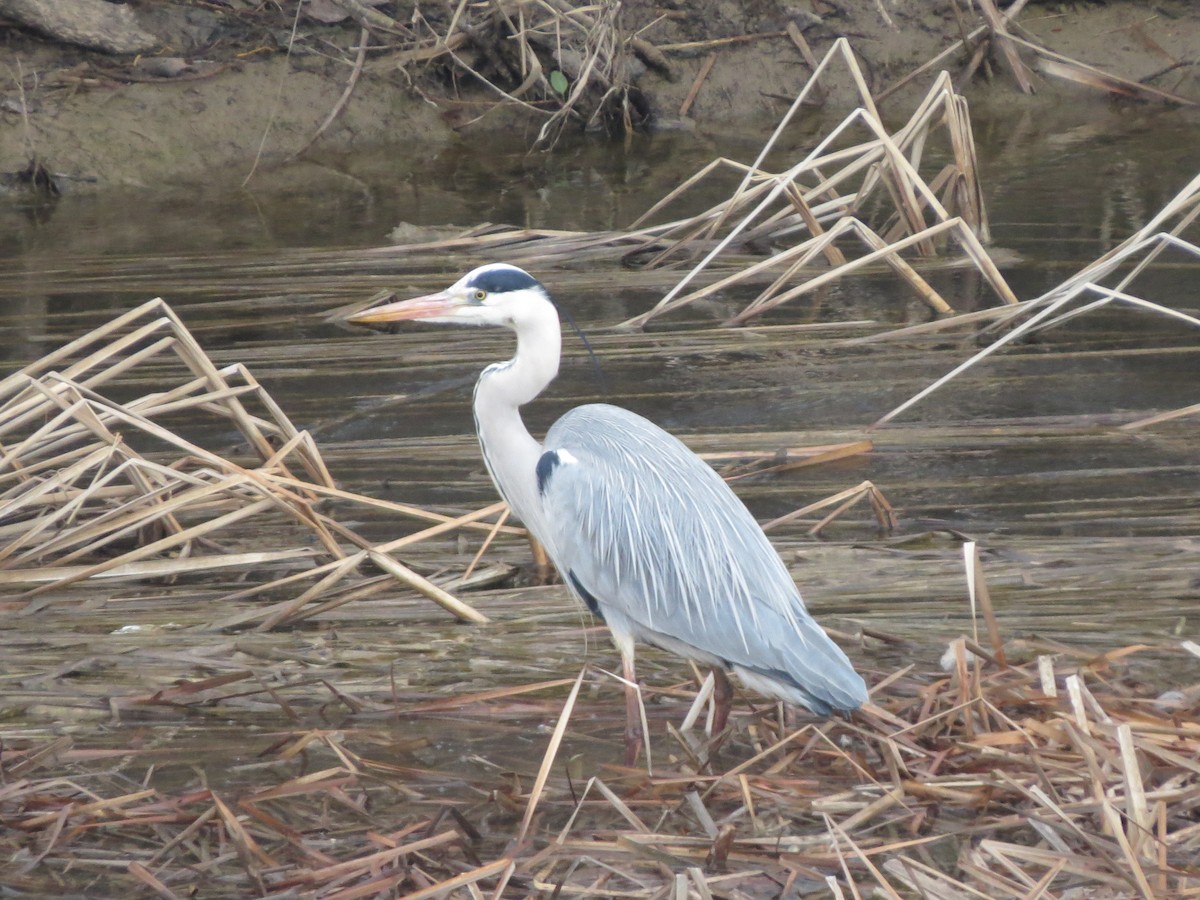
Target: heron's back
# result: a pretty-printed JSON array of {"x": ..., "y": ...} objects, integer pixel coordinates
[{"x": 648, "y": 531}]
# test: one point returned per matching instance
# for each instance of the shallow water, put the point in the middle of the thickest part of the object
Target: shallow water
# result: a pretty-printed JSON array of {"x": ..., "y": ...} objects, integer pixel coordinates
[{"x": 1088, "y": 533}]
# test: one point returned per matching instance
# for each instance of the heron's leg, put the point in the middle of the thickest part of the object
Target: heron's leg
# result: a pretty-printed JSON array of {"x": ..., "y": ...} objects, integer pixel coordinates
[
  {"x": 633, "y": 712},
  {"x": 541, "y": 560},
  {"x": 722, "y": 700}
]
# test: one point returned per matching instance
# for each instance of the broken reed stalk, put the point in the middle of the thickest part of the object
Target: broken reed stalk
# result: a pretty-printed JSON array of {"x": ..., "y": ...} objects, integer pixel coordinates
[
  {"x": 1138, "y": 253},
  {"x": 83, "y": 475},
  {"x": 842, "y": 501}
]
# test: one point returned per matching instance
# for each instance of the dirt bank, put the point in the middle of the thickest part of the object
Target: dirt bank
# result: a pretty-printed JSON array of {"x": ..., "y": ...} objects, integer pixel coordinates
[{"x": 231, "y": 90}]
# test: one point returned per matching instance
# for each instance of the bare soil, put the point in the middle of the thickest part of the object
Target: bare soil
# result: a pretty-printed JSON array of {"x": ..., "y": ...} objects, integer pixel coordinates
[{"x": 241, "y": 83}]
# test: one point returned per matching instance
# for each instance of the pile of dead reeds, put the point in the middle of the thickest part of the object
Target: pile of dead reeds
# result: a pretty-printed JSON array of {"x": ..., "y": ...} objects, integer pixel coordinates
[
  {"x": 110, "y": 468},
  {"x": 1022, "y": 768}
]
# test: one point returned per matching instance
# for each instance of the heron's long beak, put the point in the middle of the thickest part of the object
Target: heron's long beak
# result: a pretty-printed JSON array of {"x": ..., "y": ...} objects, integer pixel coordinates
[{"x": 431, "y": 306}]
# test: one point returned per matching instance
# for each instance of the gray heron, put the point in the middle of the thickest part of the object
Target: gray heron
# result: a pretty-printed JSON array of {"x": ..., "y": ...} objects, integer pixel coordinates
[{"x": 643, "y": 531}]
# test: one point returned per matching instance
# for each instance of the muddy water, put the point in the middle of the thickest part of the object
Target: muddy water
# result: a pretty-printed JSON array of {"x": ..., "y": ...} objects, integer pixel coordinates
[{"x": 1089, "y": 533}]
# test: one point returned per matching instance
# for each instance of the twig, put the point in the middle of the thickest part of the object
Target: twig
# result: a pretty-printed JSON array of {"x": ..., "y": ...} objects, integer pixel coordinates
[
  {"x": 705, "y": 68},
  {"x": 363, "y": 40},
  {"x": 275, "y": 105}
]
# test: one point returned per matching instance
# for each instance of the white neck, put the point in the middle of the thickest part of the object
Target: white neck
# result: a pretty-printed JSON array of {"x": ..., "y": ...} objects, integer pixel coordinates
[{"x": 510, "y": 451}]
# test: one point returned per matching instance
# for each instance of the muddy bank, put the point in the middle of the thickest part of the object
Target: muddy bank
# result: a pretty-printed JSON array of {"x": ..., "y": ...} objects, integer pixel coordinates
[{"x": 240, "y": 87}]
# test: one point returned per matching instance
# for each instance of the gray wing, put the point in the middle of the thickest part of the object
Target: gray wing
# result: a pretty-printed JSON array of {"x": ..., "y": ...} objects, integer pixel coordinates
[{"x": 650, "y": 537}]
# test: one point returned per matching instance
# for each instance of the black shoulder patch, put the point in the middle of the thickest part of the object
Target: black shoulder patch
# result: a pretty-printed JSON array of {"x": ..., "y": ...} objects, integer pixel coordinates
[
  {"x": 546, "y": 465},
  {"x": 592, "y": 603},
  {"x": 500, "y": 279}
]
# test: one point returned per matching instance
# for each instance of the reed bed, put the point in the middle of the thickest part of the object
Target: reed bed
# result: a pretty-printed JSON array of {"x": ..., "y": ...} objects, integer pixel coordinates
[
  {"x": 96, "y": 484},
  {"x": 1017, "y": 768}
]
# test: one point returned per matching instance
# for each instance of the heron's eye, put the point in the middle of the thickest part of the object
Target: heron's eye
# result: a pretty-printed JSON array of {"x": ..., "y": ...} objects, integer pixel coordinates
[{"x": 480, "y": 295}]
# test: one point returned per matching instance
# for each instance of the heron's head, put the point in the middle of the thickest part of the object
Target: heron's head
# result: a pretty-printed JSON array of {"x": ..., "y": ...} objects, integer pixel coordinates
[{"x": 495, "y": 294}]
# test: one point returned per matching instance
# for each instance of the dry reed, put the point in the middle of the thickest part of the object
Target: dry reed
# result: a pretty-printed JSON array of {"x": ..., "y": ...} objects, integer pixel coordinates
[{"x": 95, "y": 484}]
